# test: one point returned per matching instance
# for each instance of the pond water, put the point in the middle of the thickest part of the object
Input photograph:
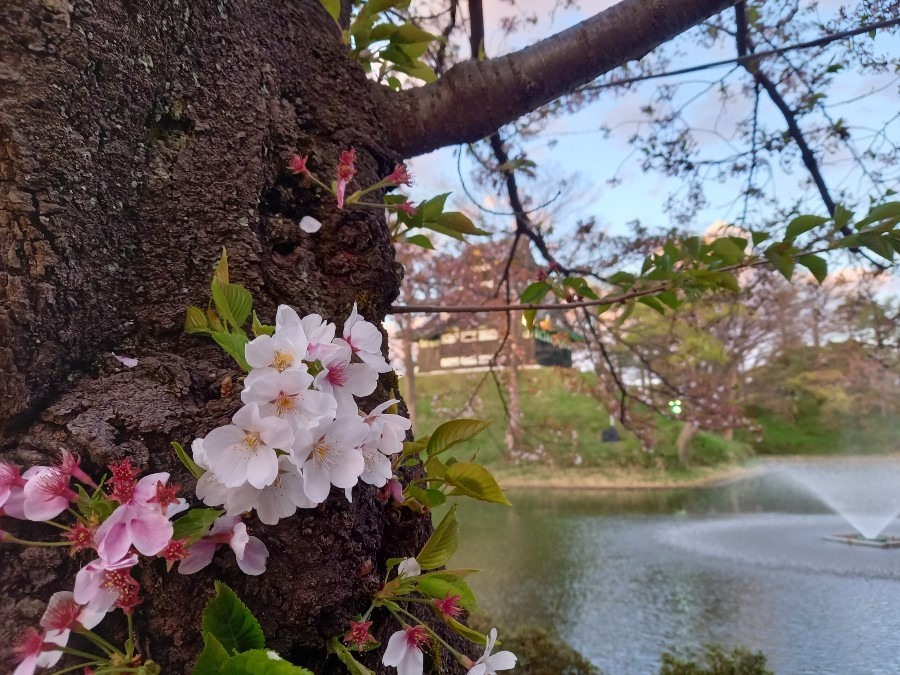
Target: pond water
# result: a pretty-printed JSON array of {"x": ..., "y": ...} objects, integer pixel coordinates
[{"x": 626, "y": 575}]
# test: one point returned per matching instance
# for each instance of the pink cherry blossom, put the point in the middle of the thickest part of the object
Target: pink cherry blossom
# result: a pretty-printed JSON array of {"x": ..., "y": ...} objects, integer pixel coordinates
[
  {"x": 346, "y": 171},
  {"x": 399, "y": 176},
  {"x": 359, "y": 634},
  {"x": 10, "y": 479},
  {"x": 407, "y": 208},
  {"x": 409, "y": 567},
  {"x": 250, "y": 552},
  {"x": 297, "y": 164},
  {"x": 70, "y": 464},
  {"x": 449, "y": 606},
  {"x": 99, "y": 584},
  {"x": 47, "y": 494},
  {"x": 273, "y": 502},
  {"x": 137, "y": 522},
  {"x": 404, "y": 650},
  {"x": 32, "y": 652}
]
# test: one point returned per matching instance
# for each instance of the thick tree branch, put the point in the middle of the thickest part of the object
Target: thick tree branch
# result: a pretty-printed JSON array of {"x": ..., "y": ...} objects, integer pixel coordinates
[{"x": 476, "y": 98}]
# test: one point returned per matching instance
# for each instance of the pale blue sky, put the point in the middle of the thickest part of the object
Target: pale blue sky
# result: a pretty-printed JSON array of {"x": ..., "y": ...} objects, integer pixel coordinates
[{"x": 573, "y": 147}]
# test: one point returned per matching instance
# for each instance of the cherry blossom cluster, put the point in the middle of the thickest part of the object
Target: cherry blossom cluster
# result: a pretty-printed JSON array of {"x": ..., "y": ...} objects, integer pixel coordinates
[
  {"x": 132, "y": 518},
  {"x": 300, "y": 431},
  {"x": 346, "y": 170},
  {"x": 405, "y": 647}
]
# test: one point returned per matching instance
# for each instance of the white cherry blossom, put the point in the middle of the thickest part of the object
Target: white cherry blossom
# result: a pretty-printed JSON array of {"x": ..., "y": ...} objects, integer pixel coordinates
[
  {"x": 365, "y": 340},
  {"x": 244, "y": 451},
  {"x": 388, "y": 429},
  {"x": 332, "y": 456},
  {"x": 344, "y": 380},
  {"x": 489, "y": 663},
  {"x": 285, "y": 349},
  {"x": 377, "y": 470},
  {"x": 404, "y": 650},
  {"x": 288, "y": 395}
]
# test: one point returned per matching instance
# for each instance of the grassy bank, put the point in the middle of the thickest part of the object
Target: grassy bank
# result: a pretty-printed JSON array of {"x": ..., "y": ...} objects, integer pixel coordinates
[
  {"x": 563, "y": 425},
  {"x": 816, "y": 434}
]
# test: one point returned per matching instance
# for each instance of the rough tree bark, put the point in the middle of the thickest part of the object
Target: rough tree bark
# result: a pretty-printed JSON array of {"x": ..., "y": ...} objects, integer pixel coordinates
[{"x": 138, "y": 138}]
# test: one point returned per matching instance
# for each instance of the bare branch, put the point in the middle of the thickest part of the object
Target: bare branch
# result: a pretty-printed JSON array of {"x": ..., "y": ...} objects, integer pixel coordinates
[{"x": 476, "y": 98}]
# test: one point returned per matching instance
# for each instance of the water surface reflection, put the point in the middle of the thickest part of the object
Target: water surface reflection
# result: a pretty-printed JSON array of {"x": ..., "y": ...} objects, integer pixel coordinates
[{"x": 627, "y": 575}]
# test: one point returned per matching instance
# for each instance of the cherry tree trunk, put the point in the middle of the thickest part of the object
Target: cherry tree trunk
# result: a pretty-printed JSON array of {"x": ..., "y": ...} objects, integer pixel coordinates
[{"x": 137, "y": 139}]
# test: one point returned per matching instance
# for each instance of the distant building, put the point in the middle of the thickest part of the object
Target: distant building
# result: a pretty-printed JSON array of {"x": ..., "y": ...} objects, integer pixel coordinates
[{"x": 454, "y": 349}]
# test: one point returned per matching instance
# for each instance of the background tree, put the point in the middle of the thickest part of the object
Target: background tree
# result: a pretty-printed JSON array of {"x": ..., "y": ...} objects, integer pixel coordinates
[{"x": 139, "y": 138}]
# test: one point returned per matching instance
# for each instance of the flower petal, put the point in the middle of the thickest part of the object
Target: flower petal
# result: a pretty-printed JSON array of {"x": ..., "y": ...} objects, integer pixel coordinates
[{"x": 310, "y": 224}]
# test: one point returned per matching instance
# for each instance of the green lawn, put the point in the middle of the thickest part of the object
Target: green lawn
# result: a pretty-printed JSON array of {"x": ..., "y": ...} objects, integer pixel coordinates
[{"x": 563, "y": 424}]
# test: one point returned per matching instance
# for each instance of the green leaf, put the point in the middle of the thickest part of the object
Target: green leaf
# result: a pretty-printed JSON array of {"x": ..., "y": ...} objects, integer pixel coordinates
[
  {"x": 466, "y": 632},
  {"x": 214, "y": 322},
  {"x": 420, "y": 71},
  {"x": 187, "y": 460},
  {"x": 580, "y": 286},
  {"x": 410, "y": 33},
  {"x": 354, "y": 666},
  {"x": 221, "y": 273},
  {"x": 781, "y": 261},
  {"x": 535, "y": 292},
  {"x": 194, "y": 524},
  {"x": 233, "y": 344},
  {"x": 816, "y": 265},
  {"x": 453, "y": 432},
  {"x": 842, "y": 216},
  {"x": 382, "y": 31},
  {"x": 626, "y": 312},
  {"x": 728, "y": 281},
  {"x": 454, "y": 220},
  {"x": 881, "y": 212},
  {"x": 652, "y": 303},
  {"x": 727, "y": 250},
  {"x": 435, "y": 468},
  {"x": 233, "y": 302},
  {"x": 333, "y": 7},
  {"x": 439, "y": 585},
  {"x": 622, "y": 279},
  {"x": 669, "y": 299},
  {"x": 430, "y": 497},
  {"x": 802, "y": 224},
  {"x": 195, "y": 321},
  {"x": 261, "y": 662},
  {"x": 442, "y": 544},
  {"x": 415, "y": 447},
  {"x": 230, "y": 622},
  {"x": 96, "y": 505},
  {"x": 878, "y": 244},
  {"x": 759, "y": 237},
  {"x": 529, "y": 315},
  {"x": 473, "y": 480},
  {"x": 212, "y": 658},
  {"x": 437, "y": 227},
  {"x": 434, "y": 207},
  {"x": 419, "y": 240},
  {"x": 261, "y": 328}
]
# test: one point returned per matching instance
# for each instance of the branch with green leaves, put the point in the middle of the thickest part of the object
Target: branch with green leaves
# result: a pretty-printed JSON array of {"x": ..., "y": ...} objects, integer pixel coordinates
[{"x": 687, "y": 267}]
